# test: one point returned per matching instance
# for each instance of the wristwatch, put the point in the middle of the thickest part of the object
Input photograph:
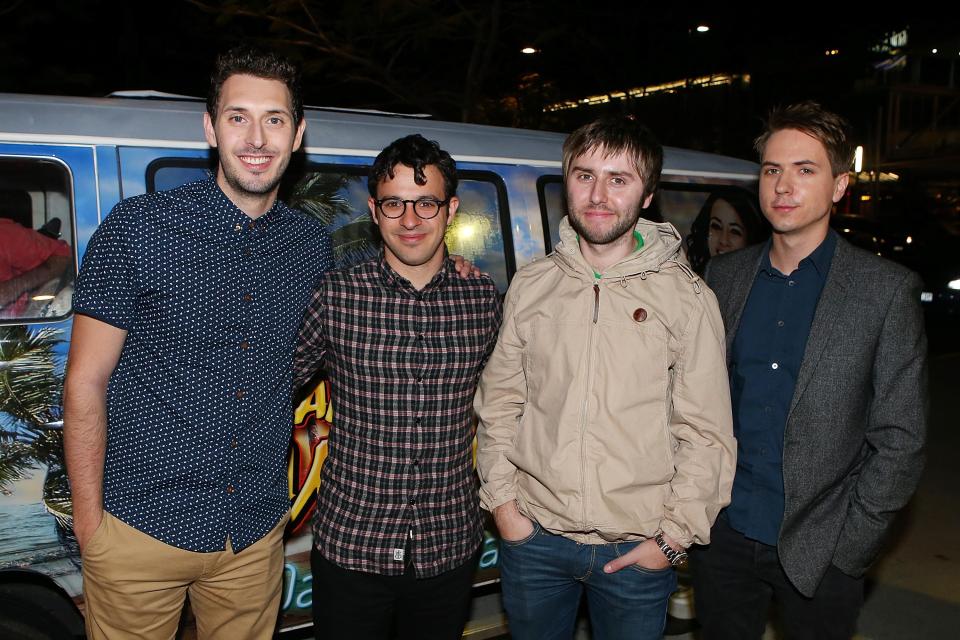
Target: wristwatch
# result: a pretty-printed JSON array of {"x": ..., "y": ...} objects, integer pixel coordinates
[{"x": 675, "y": 557}]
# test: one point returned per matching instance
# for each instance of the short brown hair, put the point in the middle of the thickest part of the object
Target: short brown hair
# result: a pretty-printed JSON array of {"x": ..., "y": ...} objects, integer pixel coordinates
[
  {"x": 618, "y": 134},
  {"x": 809, "y": 117},
  {"x": 260, "y": 63}
]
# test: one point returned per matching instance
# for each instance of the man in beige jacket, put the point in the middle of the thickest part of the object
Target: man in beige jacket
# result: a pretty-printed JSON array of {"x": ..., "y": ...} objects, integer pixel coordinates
[{"x": 605, "y": 439}]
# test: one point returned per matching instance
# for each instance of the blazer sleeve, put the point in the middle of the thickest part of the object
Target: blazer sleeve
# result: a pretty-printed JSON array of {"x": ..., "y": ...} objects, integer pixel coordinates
[{"x": 896, "y": 430}]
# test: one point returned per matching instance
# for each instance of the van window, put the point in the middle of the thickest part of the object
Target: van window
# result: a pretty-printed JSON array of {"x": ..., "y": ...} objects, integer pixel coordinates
[
  {"x": 337, "y": 195},
  {"x": 684, "y": 206},
  {"x": 37, "y": 257}
]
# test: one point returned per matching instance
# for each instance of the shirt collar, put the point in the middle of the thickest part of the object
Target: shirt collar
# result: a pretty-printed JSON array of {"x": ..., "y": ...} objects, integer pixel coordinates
[
  {"x": 393, "y": 279},
  {"x": 820, "y": 258},
  {"x": 215, "y": 194}
]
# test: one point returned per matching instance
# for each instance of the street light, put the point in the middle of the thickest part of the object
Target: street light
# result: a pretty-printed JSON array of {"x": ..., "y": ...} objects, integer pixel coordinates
[{"x": 528, "y": 50}]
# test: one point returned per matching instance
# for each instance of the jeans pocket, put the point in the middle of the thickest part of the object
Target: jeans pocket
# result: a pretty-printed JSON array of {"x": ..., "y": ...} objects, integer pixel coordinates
[
  {"x": 652, "y": 572},
  {"x": 522, "y": 541},
  {"x": 619, "y": 551}
]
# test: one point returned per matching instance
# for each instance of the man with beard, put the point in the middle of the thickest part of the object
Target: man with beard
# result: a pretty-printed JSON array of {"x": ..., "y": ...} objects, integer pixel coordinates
[
  {"x": 605, "y": 438},
  {"x": 177, "y": 395}
]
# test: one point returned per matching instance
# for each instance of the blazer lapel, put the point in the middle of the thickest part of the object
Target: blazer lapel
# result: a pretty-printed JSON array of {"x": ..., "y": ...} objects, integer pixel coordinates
[
  {"x": 739, "y": 292},
  {"x": 825, "y": 320}
]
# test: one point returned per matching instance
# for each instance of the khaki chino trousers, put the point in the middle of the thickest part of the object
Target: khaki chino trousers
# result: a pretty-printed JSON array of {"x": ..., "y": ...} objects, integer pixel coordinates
[{"x": 135, "y": 586}]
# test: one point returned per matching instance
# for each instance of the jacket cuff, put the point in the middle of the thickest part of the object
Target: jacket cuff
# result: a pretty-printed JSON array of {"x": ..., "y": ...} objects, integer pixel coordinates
[
  {"x": 676, "y": 532},
  {"x": 491, "y": 497}
]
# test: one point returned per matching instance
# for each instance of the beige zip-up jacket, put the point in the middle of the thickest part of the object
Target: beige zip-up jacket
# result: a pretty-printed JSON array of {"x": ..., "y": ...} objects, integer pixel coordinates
[{"x": 605, "y": 407}]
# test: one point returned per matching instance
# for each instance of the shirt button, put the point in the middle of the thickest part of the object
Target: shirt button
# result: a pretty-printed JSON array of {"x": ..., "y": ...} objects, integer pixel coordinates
[
  {"x": 248, "y": 297},
  {"x": 779, "y": 323},
  {"x": 247, "y": 251},
  {"x": 233, "y": 444},
  {"x": 253, "y": 225},
  {"x": 413, "y": 501},
  {"x": 240, "y": 394},
  {"x": 419, "y": 336},
  {"x": 229, "y": 488},
  {"x": 775, "y": 366},
  {"x": 791, "y": 282},
  {"x": 244, "y": 345},
  {"x": 238, "y": 228}
]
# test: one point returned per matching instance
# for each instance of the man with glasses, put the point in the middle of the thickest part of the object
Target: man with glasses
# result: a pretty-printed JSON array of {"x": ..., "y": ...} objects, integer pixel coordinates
[{"x": 403, "y": 340}]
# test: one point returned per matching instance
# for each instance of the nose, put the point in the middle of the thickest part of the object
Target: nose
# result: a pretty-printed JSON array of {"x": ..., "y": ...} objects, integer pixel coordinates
[
  {"x": 255, "y": 137},
  {"x": 598, "y": 192},
  {"x": 783, "y": 184},
  {"x": 724, "y": 241},
  {"x": 409, "y": 219}
]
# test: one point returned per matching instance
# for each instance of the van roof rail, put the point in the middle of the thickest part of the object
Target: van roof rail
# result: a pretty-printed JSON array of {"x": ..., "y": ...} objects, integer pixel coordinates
[{"x": 151, "y": 94}]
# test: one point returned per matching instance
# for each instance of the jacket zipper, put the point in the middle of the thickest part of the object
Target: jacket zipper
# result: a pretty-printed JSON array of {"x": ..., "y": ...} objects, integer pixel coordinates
[
  {"x": 583, "y": 407},
  {"x": 596, "y": 302}
]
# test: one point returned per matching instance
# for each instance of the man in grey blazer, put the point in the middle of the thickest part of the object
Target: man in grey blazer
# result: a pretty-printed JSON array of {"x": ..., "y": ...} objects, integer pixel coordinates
[{"x": 827, "y": 356}]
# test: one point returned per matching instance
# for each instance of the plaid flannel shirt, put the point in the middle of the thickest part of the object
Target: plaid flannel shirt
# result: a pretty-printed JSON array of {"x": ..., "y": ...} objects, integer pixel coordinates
[{"x": 398, "y": 483}]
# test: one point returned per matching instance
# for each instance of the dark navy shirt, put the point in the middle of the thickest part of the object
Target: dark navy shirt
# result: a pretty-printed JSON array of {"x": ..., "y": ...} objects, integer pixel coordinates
[
  {"x": 199, "y": 408},
  {"x": 765, "y": 361}
]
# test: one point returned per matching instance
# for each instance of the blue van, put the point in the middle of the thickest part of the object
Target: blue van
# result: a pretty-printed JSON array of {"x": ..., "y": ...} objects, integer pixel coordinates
[{"x": 65, "y": 162}]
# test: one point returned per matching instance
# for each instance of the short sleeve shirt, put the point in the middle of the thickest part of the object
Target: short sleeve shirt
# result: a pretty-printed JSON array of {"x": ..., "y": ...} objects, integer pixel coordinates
[{"x": 199, "y": 408}]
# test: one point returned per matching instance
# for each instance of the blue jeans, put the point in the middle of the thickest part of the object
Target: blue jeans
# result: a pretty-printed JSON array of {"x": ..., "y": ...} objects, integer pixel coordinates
[{"x": 543, "y": 577}]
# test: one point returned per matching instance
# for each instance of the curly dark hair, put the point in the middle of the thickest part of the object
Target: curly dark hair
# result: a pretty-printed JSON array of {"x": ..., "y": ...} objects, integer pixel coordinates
[
  {"x": 416, "y": 152},
  {"x": 755, "y": 226},
  {"x": 248, "y": 60}
]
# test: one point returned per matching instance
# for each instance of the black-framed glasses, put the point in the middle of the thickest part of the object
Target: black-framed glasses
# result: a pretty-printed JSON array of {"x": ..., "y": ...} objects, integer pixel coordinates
[{"x": 425, "y": 208}]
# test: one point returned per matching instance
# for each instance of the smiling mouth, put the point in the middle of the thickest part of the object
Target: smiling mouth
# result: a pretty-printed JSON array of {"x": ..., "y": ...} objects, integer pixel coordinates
[{"x": 256, "y": 161}]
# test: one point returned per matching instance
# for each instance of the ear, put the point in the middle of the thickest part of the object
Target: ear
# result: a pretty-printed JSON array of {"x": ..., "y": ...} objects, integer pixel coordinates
[
  {"x": 647, "y": 201},
  {"x": 840, "y": 186},
  {"x": 373, "y": 210},
  {"x": 208, "y": 130},
  {"x": 298, "y": 138},
  {"x": 452, "y": 207}
]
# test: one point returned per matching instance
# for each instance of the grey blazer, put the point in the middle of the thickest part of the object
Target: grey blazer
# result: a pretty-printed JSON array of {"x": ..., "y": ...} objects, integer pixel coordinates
[{"x": 853, "y": 445}]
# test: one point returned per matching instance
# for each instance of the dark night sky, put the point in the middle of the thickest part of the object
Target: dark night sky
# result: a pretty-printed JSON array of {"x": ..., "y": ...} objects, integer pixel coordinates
[{"x": 91, "y": 47}]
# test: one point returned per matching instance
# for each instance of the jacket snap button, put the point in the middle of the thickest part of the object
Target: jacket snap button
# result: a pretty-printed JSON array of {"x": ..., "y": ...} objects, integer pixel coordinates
[{"x": 639, "y": 315}]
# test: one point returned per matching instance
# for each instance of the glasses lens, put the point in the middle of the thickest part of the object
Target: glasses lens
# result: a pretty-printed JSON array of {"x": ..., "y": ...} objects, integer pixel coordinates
[
  {"x": 427, "y": 208},
  {"x": 392, "y": 207}
]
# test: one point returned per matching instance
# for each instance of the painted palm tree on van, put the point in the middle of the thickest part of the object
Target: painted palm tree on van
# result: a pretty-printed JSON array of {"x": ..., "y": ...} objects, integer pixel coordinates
[
  {"x": 327, "y": 197},
  {"x": 30, "y": 389}
]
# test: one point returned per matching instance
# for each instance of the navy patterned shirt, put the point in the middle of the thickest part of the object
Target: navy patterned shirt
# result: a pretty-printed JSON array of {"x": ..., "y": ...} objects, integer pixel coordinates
[
  {"x": 403, "y": 364},
  {"x": 199, "y": 410}
]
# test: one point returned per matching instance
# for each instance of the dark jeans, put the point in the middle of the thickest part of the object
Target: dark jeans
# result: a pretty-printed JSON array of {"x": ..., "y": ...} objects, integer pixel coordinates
[
  {"x": 362, "y": 606},
  {"x": 543, "y": 578},
  {"x": 734, "y": 580}
]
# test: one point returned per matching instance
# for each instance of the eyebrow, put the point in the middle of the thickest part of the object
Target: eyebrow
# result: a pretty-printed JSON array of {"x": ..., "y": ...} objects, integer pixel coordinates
[
  {"x": 284, "y": 112},
  {"x": 611, "y": 173},
  {"x": 798, "y": 163}
]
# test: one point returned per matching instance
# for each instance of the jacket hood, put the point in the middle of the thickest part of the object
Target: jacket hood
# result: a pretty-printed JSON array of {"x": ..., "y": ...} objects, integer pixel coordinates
[{"x": 661, "y": 248}]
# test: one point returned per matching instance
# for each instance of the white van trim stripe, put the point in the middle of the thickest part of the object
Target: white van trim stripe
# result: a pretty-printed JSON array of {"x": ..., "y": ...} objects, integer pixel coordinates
[{"x": 70, "y": 140}]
